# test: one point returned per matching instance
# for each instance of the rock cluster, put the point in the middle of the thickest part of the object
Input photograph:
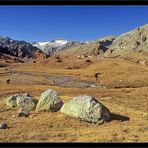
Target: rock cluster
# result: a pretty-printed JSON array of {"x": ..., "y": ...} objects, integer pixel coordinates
[
  {"x": 25, "y": 102},
  {"x": 82, "y": 107}
]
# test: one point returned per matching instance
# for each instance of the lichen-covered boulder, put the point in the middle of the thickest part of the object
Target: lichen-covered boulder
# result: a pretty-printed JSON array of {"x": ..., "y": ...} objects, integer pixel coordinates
[
  {"x": 21, "y": 100},
  {"x": 11, "y": 101},
  {"x": 26, "y": 102},
  {"x": 87, "y": 109},
  {"x": 49, "y": 101}
]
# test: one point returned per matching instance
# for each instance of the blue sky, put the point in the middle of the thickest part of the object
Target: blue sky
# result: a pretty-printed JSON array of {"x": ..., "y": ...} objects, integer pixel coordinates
[{"x": 44, "y": 23}]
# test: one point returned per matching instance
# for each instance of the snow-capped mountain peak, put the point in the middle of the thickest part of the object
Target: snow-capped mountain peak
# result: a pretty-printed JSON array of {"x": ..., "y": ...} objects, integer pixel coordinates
[
  {"x": 53, "y": 46},
  {"x": 61, "y": 42},
  {"x": 55, "y": 43}
]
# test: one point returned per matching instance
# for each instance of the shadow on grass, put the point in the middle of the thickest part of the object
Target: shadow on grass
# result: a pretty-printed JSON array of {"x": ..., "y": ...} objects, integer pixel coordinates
[{"x": 119, "y": 117}]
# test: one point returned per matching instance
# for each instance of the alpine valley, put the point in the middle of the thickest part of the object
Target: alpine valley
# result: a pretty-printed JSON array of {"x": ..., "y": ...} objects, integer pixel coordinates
[{"x": 98, "y": 89}]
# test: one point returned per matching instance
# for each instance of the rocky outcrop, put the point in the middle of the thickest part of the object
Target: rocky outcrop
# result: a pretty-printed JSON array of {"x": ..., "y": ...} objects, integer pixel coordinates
[
  {"x": 104, "y": 43},
  {"x": 49, "y": 101},
  {"x": 87, "y": 108}
]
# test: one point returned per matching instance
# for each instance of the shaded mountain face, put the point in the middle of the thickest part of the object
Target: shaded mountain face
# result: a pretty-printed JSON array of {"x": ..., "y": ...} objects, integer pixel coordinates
[
  {"x": 6, "y": 58},
  {"x": 55, "y": 46},
  {"x": 20, "y": 49},
  {"x": 135, "y": 41}
]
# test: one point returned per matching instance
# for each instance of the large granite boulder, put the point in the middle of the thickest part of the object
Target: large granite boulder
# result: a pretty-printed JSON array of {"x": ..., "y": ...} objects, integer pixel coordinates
[
  {"x": 87, "y": 109},
  {"x": 49, "y": 101}
]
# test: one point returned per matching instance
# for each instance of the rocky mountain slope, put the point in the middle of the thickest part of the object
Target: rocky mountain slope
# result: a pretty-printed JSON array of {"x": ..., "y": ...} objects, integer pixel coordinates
[
  {"x": 135, "y": 41},
  {"x": 55, "y": 46},
  {"x": 131, "y": 42},
  {"x": 19, "y": 49},
  {"x": 92, "y": 48}
]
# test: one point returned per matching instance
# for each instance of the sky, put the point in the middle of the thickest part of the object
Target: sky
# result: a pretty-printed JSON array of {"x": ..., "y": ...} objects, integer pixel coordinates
[{"x": 83, "y": 23}]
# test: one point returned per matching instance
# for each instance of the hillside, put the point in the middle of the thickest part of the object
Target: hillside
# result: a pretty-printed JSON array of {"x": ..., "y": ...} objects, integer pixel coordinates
[
  {"x": 135, "y": 41},
  {"x": 132, "y": 42}
]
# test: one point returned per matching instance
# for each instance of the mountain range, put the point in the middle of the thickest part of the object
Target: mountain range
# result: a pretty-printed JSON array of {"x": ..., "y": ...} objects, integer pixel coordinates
[{"x": 134, "y": 41}]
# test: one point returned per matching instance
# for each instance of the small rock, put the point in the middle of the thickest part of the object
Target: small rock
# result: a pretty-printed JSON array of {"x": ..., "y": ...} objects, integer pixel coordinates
[
  {"x": 88, "y": 61},
  {"x": 82, "y": 56},
  {"x": 142, "y": 62},
  {"x": 79, "y": 57},
  {"x": 8, "y": 81},
  {"x": 145, "y": 116},
  {"x": 3, "y": 126},
  {"x": 93, "y": 86},
  {"x": 23, "y": 113},
  {"x": 121, "y": 81},
  {"x": 14, "y": 117}
]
